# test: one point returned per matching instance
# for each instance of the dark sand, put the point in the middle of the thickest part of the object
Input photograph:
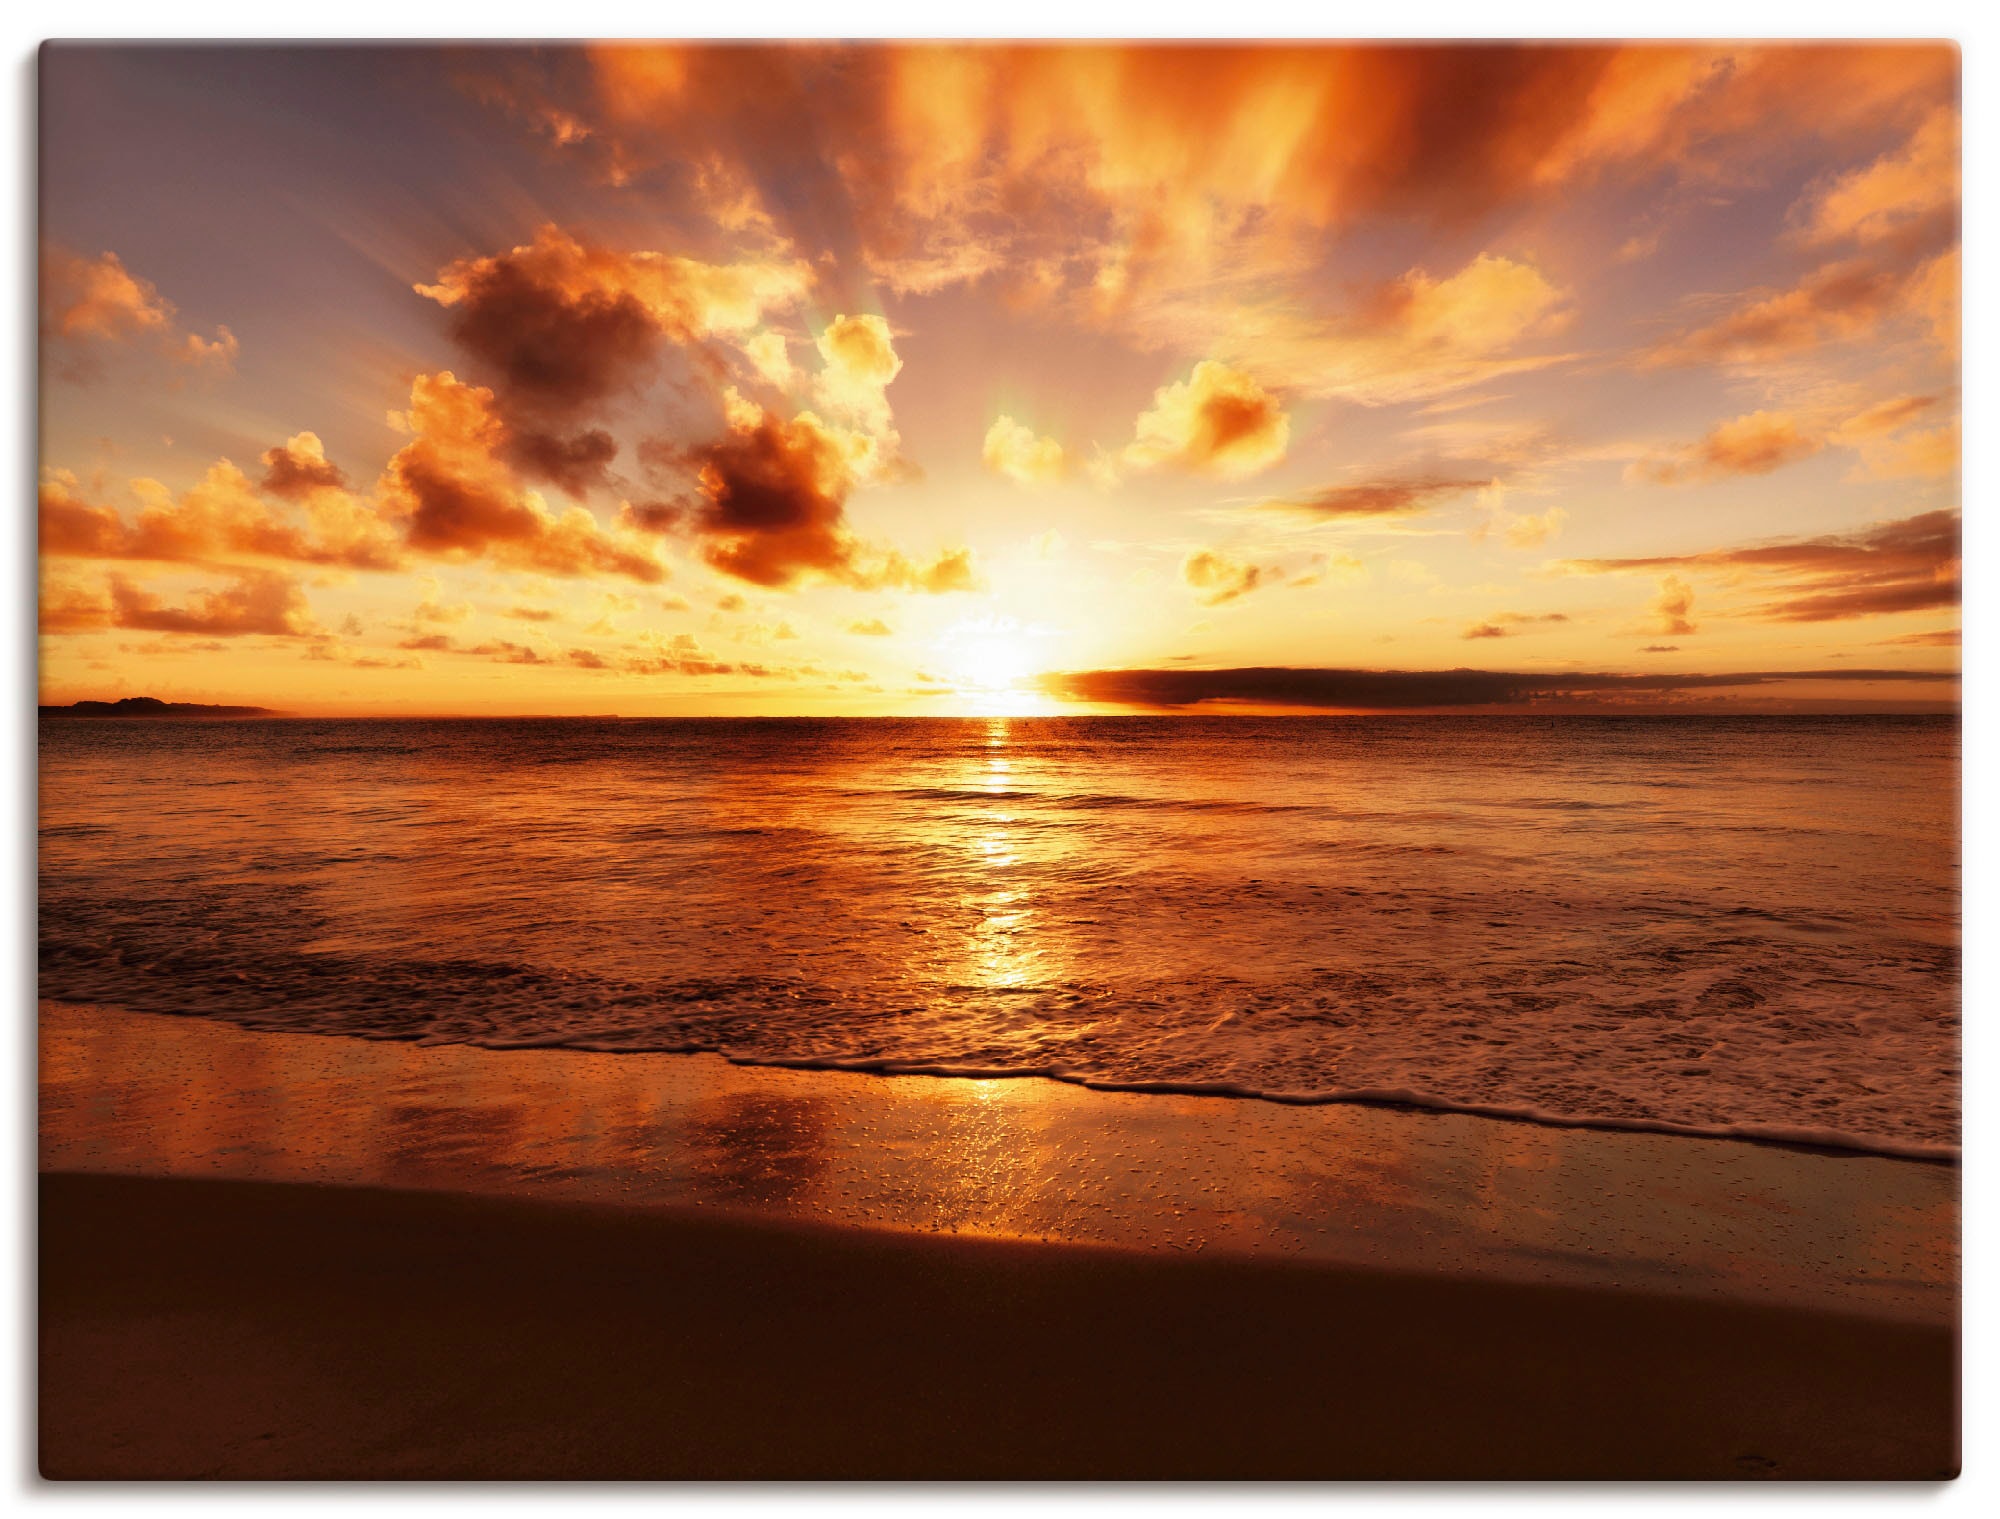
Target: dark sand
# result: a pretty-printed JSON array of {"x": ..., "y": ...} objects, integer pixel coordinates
[
  {"x": 245, "y": 1329},
  {"x": 290, "y": 1256}
]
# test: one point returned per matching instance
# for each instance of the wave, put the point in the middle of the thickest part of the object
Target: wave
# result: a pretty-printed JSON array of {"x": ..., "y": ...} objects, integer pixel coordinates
[{"x": 1789, "y": 1136}]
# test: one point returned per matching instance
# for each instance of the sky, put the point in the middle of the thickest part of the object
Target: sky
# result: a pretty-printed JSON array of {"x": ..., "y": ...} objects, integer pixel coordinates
[{"x": 856, "y": 379}]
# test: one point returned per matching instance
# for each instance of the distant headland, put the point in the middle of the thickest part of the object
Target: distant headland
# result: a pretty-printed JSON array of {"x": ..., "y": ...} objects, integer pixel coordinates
[{"x": 151, "y": 706}]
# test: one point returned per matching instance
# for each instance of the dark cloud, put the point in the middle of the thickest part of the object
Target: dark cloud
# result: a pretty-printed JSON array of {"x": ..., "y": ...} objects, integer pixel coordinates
[
  {"x": 1912, "y": 564},
  {"x": 573, "y": 464},
  {"x": 454, "y": 495},
  {"x": 297, "y": 468},
  {"x": 1410, "y": 690},
  {"x": 770, "y": 507},
  {"x": 551, "y": 341}
]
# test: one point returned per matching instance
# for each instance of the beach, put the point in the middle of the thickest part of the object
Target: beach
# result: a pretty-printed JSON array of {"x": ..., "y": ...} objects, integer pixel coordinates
[{"x": 287, "y": 1255}]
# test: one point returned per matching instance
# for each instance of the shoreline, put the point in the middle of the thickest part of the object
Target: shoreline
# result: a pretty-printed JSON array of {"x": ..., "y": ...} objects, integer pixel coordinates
[
  {"x": 285, "y": 1255},
  {"x": 1803, "y": 1138}
]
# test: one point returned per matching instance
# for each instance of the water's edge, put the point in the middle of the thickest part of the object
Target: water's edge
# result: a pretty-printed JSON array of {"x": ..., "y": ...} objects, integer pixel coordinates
[{"x": 1817, "y": 1141}]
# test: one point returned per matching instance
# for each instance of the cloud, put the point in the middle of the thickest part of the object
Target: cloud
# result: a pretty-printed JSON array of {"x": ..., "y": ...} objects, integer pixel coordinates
[
  {"x": 564, "y": 324},
  {"x": 1929, "y": 454},
  {"x": 1764, "y": 441},
  {"x": 89, "y": 304},
  {"x": 1013, "y": 451},
  {"x": 1505, "y": 624},
  {"x": 1910, "y": 564},
  {"x": 260, "y": 601},
  {"x": 1755, "y": 444},
  {"x": 1917, "y": 180},
  {"x": 563, "y": 327},
  {"x": 1408, "y": 339},
  {"x": 770, "y": 508},
  {"x": 1403, "y": 690},
  {"x": 1393, "y": 496},
  {"x": 298, "y": 468},
  {"x": 1104, "y": 175},
  {"x": 221, "y": 517},
  {"x": 1218, "y": 421},
  {"x": 455, "y": 497},
  {"x": 1674, "y": 606},
  {"x": 1221, "y": 579},
  {"x": 857, "y": 361},
  {"x": 1887, "y": 236},
  {"x": 1836, "y": 301},
  {"x": 1935, "y": 638},
  {"x": 873, "y": 627}
]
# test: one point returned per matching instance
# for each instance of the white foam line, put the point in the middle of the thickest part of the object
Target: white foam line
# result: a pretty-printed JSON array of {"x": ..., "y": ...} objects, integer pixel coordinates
[{"x": 1381, "y": 1097}]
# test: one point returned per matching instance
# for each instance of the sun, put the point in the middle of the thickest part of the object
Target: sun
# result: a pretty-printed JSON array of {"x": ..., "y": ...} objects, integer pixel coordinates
[{"x": 991, "y": 663}]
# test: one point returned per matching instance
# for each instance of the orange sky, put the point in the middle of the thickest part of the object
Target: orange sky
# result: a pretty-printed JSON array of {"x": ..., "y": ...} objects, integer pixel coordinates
[{"x": 982, "y": 379}]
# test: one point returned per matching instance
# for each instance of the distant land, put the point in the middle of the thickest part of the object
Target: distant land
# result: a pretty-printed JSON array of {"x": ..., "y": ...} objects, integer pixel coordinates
[{"x": 151, "y": 706}]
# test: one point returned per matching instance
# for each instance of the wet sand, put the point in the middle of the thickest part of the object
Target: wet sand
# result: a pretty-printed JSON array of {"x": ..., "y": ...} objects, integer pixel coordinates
[{"x": 287, "y": 1256}]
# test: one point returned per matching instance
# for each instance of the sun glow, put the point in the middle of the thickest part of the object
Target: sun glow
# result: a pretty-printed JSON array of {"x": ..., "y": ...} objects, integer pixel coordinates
[{"x": 991, "y": 663}]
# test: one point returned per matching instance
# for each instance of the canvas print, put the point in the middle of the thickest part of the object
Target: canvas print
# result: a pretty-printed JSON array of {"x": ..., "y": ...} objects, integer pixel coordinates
[{"x": 999, "y": 760}]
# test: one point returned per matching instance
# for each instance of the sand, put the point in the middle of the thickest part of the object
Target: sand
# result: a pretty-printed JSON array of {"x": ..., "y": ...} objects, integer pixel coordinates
[{"x": 911, "y": 1278}]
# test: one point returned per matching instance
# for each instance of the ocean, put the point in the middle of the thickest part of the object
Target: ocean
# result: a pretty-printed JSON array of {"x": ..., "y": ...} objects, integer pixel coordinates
[{"x": 1715, "y": 925}]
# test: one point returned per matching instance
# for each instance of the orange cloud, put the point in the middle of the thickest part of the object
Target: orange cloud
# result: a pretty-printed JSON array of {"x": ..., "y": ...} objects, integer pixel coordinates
[
  {"x": 298, "y": 468},
  {"x": 1755, "y": 444},
  {"x": 98, "y": 298},
  {"x": 221, "y": 517},
  {"x": 563, "y": 327},
  {"x": 1917, "y": 180},
  {"x": 260, "y": 601},
  {"x": 1674, "y": 607},
  {"x": 1218, "y": 421},
  {"x": 1505, "y": 624},
  {"x": 1899, "y": 216},
  {"x": 455, "y": 497},
  {"x": 92, "y": 302},
  {"x": 1014, "y": 451},
  {"x": 770, "y": 508},
  {"x": 1220, "y": 578}
]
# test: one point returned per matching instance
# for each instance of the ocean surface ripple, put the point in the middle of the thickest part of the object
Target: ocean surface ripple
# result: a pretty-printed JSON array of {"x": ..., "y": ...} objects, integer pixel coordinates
[{"x": 1711, "y": 925}]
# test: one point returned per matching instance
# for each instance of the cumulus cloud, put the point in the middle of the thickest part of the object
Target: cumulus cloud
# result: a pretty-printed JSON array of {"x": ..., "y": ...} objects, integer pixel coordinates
[
  {"x": 1673, "y": 608},
  {"x": 770, "y": 508},
  {"x": 1910, "y": 564},
  {"x": 1219, "y": 578},
  {"x": 857, "y": 361},
  {"x": 455, "y": 497},
  {"x": 1013, "y": 450},
  {"x": 221, "y": 517},
  {"x": 872, "y": 627},
  {"x": 562, "y": 327},
  {"x": 88, "y": 304},
  {"x": 298, "y": 469},
  {"x": 257, "y": 601},
  {"x": 1218, "y": 421}
]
